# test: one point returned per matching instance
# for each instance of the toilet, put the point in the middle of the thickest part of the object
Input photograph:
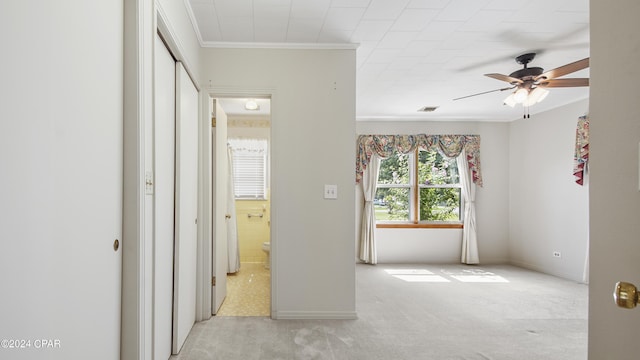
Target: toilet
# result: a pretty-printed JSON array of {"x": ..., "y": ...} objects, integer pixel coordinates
[{"x": 266, "y": 247}]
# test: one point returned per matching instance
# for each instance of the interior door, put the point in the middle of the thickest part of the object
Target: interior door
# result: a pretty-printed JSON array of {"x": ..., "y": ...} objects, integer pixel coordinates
[
  {"x": 163, "y": 144},
  {"x": 614, "y": 189},
  {"x": 186, "y": 208},
  {"x": 219, "y": 246}
]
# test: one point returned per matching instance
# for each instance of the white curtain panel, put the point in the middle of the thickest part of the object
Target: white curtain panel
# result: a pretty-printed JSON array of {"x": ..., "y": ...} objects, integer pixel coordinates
[
  {"x": 232, "y": 224},
  {"x": 469, "y": 236},
  {"x": 368, "y": 252}
]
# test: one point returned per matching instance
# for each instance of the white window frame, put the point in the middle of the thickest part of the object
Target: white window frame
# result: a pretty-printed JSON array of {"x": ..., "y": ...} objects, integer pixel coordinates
[
  {"x": 250, "y": 173},
  {"x": 414, "y": 203}
]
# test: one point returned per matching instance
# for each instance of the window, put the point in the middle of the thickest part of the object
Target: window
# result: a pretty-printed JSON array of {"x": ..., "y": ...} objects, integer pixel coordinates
[
  {"x": 249, "y": 158},
  {"x": 419, "y": 187}
]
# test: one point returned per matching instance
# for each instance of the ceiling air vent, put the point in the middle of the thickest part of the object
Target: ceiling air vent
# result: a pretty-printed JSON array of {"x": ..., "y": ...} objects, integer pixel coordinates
[{"x": 428, "y": 109}]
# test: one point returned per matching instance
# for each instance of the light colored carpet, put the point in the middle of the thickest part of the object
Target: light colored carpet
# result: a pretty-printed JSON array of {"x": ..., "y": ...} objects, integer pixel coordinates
[{"x": 437, "y": 312}]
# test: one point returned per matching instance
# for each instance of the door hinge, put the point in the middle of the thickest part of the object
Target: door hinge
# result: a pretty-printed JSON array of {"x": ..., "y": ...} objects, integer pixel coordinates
[{"x": 213, "y": 281}]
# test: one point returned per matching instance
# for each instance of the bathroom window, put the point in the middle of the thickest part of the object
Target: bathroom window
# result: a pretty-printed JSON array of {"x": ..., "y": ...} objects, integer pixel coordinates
[
  {"x": 419, "y": 187},
  {"x": 249, "y": 163}
]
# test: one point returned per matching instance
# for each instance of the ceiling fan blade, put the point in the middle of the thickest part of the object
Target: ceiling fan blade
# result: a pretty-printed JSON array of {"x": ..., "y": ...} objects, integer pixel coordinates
[
  {"x": 565, "y": 69},
  {"x": 486, "y": 92},
  {"x": 509, "y": 79},
  {"x": 564, "y": 82},
  {"x": 572, "y": 38}
]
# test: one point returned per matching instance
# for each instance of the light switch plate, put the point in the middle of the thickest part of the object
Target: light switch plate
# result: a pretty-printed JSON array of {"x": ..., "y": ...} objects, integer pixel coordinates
[
  {"x": 148, "y": 179},
  {"x": 331, "y": 191}
]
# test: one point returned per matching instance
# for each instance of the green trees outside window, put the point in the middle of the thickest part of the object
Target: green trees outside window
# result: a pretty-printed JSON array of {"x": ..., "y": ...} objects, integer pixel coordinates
[{"x": 422, "y": 186}]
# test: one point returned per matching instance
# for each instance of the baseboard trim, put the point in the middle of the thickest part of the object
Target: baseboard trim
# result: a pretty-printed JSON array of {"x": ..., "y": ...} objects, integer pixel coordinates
[
  {"x": 316, "y": 315},
  {"x": 546, "y": 270}
]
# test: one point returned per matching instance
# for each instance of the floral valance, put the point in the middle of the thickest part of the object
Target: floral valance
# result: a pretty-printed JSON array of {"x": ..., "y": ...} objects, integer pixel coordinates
[
  {"x": 448, "y": 145},
  {"x": 245, "y": 145},
  {"x": 581, "y": 156}
]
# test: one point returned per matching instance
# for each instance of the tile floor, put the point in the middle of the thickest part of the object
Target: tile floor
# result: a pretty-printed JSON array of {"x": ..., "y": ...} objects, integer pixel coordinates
[{"x": 248, "y": 292}]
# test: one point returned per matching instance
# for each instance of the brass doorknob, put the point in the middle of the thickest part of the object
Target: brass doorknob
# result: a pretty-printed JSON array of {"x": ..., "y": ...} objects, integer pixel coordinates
[{"x": 626, "y": 295}]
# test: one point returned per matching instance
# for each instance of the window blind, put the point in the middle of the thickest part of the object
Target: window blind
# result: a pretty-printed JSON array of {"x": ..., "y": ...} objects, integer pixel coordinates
[{"x": 249, "y": 168}]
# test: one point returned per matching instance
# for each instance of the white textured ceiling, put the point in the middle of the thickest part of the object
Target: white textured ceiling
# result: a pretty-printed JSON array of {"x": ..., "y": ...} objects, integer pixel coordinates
[{"x": 416, "y": 53}]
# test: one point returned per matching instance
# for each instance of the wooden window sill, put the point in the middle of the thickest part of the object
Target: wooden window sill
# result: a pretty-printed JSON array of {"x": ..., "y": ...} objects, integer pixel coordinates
[{"x": 418, "y": 226}]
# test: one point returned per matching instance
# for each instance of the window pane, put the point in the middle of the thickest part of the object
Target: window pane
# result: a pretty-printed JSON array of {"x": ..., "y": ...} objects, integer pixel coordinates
[
  {"x": 392, "y": 204},
  {"x": 394, "y": 170},
  {"x": 440, "y": 204},
  {"x": 435, "y": 169},
  {"x": 249, "y": 158},
  {"x": 249, "y": 175}
]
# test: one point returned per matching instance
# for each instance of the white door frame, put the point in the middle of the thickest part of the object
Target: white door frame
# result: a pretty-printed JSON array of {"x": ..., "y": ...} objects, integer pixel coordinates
[
  {"x": 136, "y": 314},
  {"x": 207, "y": 245},
  {"x": 142, "y": 19}
]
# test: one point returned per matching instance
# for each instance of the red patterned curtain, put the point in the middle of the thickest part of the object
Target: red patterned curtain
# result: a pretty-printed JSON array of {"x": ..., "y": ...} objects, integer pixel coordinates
[
  {"x": 449, "y": 145},
  {"x": 581, "y": 156}
]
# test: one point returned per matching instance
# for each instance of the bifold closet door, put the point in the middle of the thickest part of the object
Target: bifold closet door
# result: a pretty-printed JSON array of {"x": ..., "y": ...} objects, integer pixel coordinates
[
  {"x": 163, "y": 145},
  {"x": 186, "y": 206}
]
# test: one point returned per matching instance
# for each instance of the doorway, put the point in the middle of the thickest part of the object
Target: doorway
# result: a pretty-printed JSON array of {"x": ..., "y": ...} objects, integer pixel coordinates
[{"x": 248, "y": 205}]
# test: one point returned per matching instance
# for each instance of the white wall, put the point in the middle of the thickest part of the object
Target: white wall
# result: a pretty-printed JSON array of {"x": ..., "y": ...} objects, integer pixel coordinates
[
  {"x": 614, "y": 196},
  {"x": 444, "y": 245},
  {"x": 549, "y": 211},
  {"x": 312, "y": 135}
]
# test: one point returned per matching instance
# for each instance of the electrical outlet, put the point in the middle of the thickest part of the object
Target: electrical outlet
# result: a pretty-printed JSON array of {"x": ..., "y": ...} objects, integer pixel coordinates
[{"x": 557, "y": 254}]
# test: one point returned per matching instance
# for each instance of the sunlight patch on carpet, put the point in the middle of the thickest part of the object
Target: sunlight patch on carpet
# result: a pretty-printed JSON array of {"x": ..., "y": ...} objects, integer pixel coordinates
[
  {"x": 463, "y": 275},
  {"x": 480, "y": 278},
  {"x": 421, "y": 278},
  {"x": 416, "y": 275},
  {"x": 408, "y": 272}
]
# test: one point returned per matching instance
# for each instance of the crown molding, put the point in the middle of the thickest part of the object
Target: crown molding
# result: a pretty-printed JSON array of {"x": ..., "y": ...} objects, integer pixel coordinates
[
  {"x": 276, "y": 45},
  {"x": 194, "y": 22}
]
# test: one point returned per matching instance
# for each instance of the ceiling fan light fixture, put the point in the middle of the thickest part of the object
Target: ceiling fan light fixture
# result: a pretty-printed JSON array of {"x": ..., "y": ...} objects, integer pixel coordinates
[
  {"x": 535, "y": 96},
  {"x": 539, "y": 93},
  {"x": 520, "y": 95},
  {"x": 510, "y": 100},
  {"x": 529, "y": 101},
  {"x": 530, "y": 83}
]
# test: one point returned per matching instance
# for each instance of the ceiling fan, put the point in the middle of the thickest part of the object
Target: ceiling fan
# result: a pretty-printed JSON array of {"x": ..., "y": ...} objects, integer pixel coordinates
[{"x": 530, "y": 83}]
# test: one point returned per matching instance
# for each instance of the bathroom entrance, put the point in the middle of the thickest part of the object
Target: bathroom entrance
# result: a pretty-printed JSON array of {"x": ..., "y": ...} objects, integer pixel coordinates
[{"x": 248, "y": 210}]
